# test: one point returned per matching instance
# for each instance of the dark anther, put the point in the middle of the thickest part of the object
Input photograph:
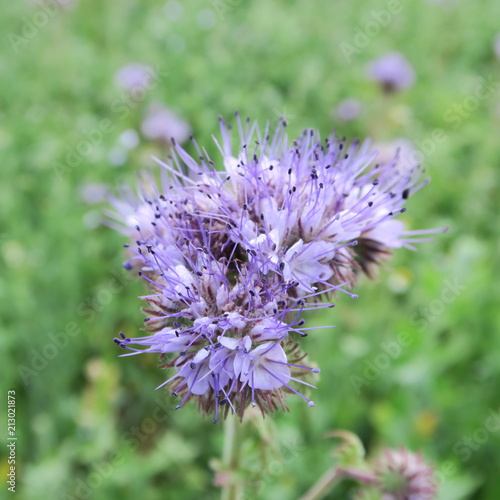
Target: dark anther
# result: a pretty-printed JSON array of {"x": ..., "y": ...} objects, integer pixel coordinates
[
  {"x": 370, "y": 203},
  {"x": 406, "y": 193},
  {"x": 192, "y": 365}
]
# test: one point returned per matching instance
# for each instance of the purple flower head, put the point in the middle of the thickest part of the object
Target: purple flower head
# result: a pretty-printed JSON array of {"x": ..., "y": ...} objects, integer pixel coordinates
[
  {"x": 234, "y": 256},
  {"x": 134, "y": 77},
  {"x": 348, "y": 109},
  {"x": 161, "y": 124},
  {"x": 392, "y": 71}
]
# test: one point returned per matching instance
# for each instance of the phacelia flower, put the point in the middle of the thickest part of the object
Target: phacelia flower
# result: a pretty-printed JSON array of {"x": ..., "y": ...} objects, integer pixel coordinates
[
  {"x": 392, "y": 71},
  {"x": 348, "y": 109},
  {"x": 403, "y": 475},
  {"x": 161, "y": 124},
  {"x": 135, "y": 77},
  {"x": 235, "y": 250}
]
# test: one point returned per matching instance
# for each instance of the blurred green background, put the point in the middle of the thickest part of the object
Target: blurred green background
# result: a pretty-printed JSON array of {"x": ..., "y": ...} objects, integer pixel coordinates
[{"x": 90, "y": 424}]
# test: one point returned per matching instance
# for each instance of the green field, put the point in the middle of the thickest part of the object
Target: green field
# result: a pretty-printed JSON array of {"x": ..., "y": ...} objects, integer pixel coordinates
[{"x": 89, "y": 424}]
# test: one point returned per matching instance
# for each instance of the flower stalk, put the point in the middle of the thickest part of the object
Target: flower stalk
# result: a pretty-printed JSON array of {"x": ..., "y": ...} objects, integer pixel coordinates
[{"x": 232, "y": 488}]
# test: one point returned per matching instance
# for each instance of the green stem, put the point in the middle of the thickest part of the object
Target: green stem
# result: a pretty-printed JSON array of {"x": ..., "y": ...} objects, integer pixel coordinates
[
  {"x": 323, "y": 485},
  {"x": 332, "y": 477},
  {"x": 232, "y": 489}
]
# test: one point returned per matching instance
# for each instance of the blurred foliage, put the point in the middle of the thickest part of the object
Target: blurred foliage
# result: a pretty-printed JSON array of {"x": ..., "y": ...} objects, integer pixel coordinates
[{"x": 90, "y": 423}]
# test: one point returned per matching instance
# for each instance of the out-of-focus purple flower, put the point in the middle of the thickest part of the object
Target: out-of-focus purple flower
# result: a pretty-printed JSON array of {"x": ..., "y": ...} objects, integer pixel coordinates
[
  {"x": 496, "y": 45},
  {"x": 161, "y": 124},
  {"x": 348, "y": 110},
  {"x": 135, "y": 76},
  {"x": 94, "y": 192},
  {"x": 234, "y": 256},
  {"x": 392, "y": 71},
  {"x": 403, "y": 475}
]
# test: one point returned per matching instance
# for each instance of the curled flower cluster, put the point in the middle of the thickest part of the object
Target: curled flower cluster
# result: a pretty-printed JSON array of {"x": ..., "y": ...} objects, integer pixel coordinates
[
  {"x": 235, "y": 252},
  {"x": 397, "y": 474},
  {"x": 403, "y": 475}
]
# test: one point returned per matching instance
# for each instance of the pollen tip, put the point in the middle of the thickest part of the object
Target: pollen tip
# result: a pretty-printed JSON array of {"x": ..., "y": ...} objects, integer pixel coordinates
[{"x": 311, "y": 404}]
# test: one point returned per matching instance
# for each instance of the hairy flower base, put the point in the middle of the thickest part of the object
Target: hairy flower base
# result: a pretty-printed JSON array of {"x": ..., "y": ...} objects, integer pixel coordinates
[{"x": 233, "y": 257}]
